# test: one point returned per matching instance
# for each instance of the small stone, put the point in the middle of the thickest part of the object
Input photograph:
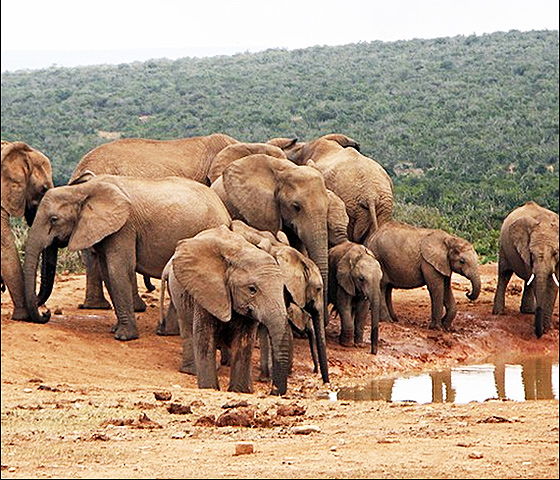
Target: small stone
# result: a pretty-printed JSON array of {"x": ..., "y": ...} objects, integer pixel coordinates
[
  {"x": 163, "y": 395},
  {"x": 244, "y": 448},
  {"x": 178, "y": 435},
  {"x": 476, "y": 455},
  {"x": 305, "y": 429}
]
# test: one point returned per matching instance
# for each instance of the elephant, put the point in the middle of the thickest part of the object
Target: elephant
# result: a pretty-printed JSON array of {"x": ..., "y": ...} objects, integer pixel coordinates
[
  {"x": 354, "y": 288},
  {"x": 26, "y": 175},
  {"x": 239, "y": 150},
  {"x": 529, "y": 248},
  {"x": 223, "y": 287},
  {"x": 363, "y": 184},
  {"x": 139, "y": 157},
  {"x": 131, "y": 225},
  {"x": 272, "y": 194},
  {"x": 412, "y": 257},
  {"x": 304, "y": 295}
]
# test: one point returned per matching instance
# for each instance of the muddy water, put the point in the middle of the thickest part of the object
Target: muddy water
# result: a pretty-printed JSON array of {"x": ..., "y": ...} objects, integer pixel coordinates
[{"x": 519, "y": 379}]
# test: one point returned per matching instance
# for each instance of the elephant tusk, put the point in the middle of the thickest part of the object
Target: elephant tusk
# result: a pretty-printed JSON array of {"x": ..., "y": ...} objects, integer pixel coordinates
[
  {"x": 531, "y": 278},
  {"x": 555, "y": 278}
]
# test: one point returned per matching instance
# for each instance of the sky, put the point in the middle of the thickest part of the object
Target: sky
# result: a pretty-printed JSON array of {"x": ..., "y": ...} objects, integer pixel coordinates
[{"x": 68, "y": 33}]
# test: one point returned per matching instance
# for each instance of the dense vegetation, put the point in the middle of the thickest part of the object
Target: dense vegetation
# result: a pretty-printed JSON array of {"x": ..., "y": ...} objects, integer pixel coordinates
[{"x": 466, "y": 126}]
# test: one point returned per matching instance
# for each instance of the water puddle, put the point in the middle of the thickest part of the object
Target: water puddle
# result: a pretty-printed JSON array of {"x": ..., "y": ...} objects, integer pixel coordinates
[{"x": 519, "y": 379}]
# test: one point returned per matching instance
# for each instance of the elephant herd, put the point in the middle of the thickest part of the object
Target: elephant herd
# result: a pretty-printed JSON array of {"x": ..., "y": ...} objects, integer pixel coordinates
[{"x": 251, "y": 241}]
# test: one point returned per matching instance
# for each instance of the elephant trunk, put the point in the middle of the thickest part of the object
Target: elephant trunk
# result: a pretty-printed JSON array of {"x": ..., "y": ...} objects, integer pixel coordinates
[
  {"x": 546, "y": 292},
  {"x": 375, "y": 307},
  {"x": 48, "y": 272},
  {"x": 475, "y": 282},
  {"x": 32, "y": 253},
  {"x": 281, "y": 342},
  {"x": 321, "y": 341}
]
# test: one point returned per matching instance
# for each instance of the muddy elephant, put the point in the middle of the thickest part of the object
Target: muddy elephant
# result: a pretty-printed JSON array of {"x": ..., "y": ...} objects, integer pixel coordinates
[
  {"x": 363, "y": 184},
  {"x": 131, "y": 224},
  {"x": 354, "y": 290},
  {"x": 139, "y": 157},
  {"x": 412, "y": 257},
  {"x": 529, "y": 248},
  {"x": 223, "y": 287},
  {"x": 26, "y": 176},
  {"x": 270, "y": 193},
  {"x": 304, "y": 295}
]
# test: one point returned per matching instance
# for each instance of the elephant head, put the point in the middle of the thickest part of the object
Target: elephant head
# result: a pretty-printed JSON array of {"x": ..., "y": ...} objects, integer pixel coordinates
[
  {"x": 228, "y": 277},
  {"x": 448, "y": 253},
  {"x": 304, "y": 288},
  {"x": 77, "y": 216},
  {"x": 356, "y": 271},
  {"x": 26, "y": 176},
  {"x": 274, "y": 194},
  {"x": 536, "y": 241}
]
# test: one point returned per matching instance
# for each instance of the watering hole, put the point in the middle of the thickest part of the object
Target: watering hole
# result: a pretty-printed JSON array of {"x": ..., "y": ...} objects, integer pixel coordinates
[{"x": 518, "y": 379}]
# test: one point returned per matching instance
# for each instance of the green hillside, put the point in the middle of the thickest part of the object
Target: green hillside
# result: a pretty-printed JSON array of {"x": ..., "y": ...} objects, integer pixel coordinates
[{"x": 466, "y": 126}]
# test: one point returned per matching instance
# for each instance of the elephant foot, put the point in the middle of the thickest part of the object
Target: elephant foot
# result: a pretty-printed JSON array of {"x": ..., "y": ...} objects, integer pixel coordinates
[
  {"x": 360, "y": 344},
  {"x": 435, "y": 325},
  {"x": 139, "y": 305},
  {"x": 188, "y": 369},
  {"x": 346, "y": 341},
  {"x": 497, "y": 310},
  {"x": 20, "y": 313},
  {"x": 99, "y": 304},
  {"x": 263, "y": 377},
  {"x": 125, "y": 333},
  {"x": 163, "y": 330},
  {"x": 527, "y": 309}
]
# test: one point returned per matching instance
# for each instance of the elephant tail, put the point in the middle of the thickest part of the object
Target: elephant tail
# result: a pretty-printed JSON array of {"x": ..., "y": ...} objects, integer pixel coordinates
[{"x": 161, "y": 328}]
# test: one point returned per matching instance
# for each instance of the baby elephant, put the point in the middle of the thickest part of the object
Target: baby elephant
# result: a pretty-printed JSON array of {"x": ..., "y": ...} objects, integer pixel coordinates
[
  {"x": 354, "y": 288},
  {"x": 223, "y": 287},
  {"x": 412, "y": 257}
]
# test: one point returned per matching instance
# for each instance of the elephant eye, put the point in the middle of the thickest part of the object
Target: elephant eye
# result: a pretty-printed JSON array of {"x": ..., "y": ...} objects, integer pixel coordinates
[
  {"x": 54, "y": 219},
  {"x": 296, "y": 206},
  {"x": 462, "y": 261},
  {"x": 252, "y": 289}
]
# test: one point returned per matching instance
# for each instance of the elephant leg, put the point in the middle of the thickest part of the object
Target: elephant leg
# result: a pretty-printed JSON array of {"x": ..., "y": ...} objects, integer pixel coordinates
[
  {"x": 139, "y": 304},
  {"x": 205, "y": 348},
  {"x": 12, "y": 273},
  {"x": 240, "y": 379},
  {"x": 265, "y": 354},
  {"x": 504, "y": 276},
  {"x": 344, "y": 308},
  {"x": 170, "y": 324},
  {"x": 360, "y": 319},
  {"x": 449, "y": 303},
  {"x": 95, "y": 298},
  {"x": 528, "y": 299},
  {"x": 310, "y": 332},
  {"x": 118, "y": 273},
  {"x": 185, "y": 324},
  {"x": 436, "y": 295},
  {"x": 389, "y": 303}
]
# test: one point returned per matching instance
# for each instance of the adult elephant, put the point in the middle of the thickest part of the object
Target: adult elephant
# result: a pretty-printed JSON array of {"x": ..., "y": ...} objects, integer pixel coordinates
[
  {"x": 412, "y": 257},
  {"x": 146, "y": 158},
  {"x": 304, "y": 295},
  {"x": 270, "y": 193},
  {"x": 26, "y": 176},
  {"x": 223, "y": 287},
  {"x": 529, "y": 248},
  {"x": 131, "y": 224},
  {"x": 354, "y": 290},
  {"x": 363, "y": 184}
]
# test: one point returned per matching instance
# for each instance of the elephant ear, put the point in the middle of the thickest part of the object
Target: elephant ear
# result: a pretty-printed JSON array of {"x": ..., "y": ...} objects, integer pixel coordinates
[
  {"x": 340, "y": 261},
  {"x": 520, "y": 233},
  {"x": 200, "y": 268},
  {"x": 250, "y": 185},
  {"x": 104, "y": 210},
  {"x": 293, "y": 272},
  {"x": 434, "y": 250},
  {"x": 14, "y": 174},
  {"x": 342, "y": 140}
]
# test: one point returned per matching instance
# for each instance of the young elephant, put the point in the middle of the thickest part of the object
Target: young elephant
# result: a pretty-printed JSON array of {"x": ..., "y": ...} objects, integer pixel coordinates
[
  {"x": 303, "y": 294},
  {"x": 412, "y": 257},
  {"x": 223, "y": 287},
  {"x": 529, "y": 248},
  {"x": 133, "y": 225},
  {"x": 354, "y": 288}
]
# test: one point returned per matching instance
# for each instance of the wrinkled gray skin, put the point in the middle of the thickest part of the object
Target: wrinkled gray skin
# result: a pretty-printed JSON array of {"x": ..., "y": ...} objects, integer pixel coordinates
[
  {"x": 189, "y": 157},
  {"x": 131, "y": 224},
  {"x": 272, "y": 194},
  {"x": 412, "y": 257},
  {"x": 304, "y": 295},
  {"x": 26, "y": 176},
  {"x": 354, "y": 289},
  {"x": 363, "y": 184},
  {"x": 223, "y": 287},
  {"x": 529, "y": 248}
]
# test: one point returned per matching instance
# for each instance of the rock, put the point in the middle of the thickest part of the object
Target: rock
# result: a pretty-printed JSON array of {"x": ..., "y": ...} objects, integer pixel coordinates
[
  {"x": 179, "y": 409},
  {"x": 163, "y": 395},
  {"x": 305, "y": 429},
  {"x": 243, "y": 448},
  {"x": 476, "y": 455}
]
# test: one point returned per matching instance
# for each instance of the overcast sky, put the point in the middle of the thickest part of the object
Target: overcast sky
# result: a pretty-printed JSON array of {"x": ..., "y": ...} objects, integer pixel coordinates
[{"x": 42, "y": 33}]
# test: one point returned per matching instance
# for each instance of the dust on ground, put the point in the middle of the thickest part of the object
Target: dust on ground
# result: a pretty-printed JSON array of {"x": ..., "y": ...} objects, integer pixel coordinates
[{"x": 78, "y": 404}]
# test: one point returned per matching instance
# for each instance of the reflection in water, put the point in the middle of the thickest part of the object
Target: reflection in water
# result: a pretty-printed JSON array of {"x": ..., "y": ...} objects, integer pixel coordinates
[{"x": 531, "y": 378}]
